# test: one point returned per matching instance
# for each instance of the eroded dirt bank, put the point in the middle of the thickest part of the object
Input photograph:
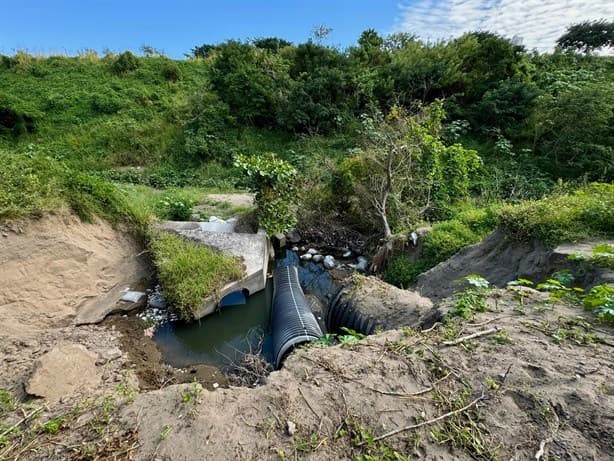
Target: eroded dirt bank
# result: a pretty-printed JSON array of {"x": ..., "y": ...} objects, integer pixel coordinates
[
  {"x": 50, "y": 270},
  {"x": 529, "y": 396},
  {"x": 534, "y": 384}
]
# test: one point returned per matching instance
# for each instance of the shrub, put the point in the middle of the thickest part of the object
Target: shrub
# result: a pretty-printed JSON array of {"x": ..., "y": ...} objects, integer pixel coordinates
[
  {"x": 125, "y": 62},
  {"x": 190, "y": 272},
  {"x": 171, "y": 71},
  {"x": 274, "y": 182},
  {"x": 445, "y": 240},
  {"x": 563, "y": 217},
  {"x": 402, "y": 272},
  {"x": 175, "y": 207}
]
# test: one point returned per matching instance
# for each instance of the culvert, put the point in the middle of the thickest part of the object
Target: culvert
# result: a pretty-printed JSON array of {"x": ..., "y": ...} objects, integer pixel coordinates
[
  {"x": 365, "y": 304},
  {"x": 292, "y": 322}
]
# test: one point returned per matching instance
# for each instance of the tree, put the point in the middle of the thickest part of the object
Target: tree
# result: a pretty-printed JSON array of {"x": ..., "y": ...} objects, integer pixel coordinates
[
  {"x": 202, "y": 51},
  {"x": 407, "y": 170},
  {"x": 250, "y": 80},
  {"x": 273, "y": 44},
  {"x": 588, "y": 36}
]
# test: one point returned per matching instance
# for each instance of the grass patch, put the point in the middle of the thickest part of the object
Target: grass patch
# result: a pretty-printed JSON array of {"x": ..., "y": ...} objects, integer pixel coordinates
[
  {"x": 563, "y": 217},
  {"x": 30, "y": 184},
  {"x": 189, "y": 272}
]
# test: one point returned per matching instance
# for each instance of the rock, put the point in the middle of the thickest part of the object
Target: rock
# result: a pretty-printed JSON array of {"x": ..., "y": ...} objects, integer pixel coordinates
[
  {"x": 306, "y": 257},
  {"x": 295, "y": 249},
  {"x": 361, "y": 265},
  {"x": 290, "y": 428},
  {"x": 347, "y": 254},
  {"x": 413, "y": 237},
  {"x": 312, "y": 251},
  {"x": 317, "y": 258},
  {"x": 216, "y": 219},
  {"x": 329, "y": 262},
  {"x": 64, "y": 371},
  {"x": 293, "y": 236}
]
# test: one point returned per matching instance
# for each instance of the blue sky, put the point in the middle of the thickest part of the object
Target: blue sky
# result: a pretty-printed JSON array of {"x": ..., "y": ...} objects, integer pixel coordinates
[{"x": 65, "y": 27}]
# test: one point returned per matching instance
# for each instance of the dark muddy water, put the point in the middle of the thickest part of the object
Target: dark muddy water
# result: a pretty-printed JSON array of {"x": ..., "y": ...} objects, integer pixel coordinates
[{"x": 221, "y": 338}]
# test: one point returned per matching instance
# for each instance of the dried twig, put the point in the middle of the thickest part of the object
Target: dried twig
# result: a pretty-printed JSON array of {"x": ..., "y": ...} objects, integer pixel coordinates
[
  {"x": 308, "y": 404},
  {"x": 22, "y": 420},
  {"x": 412, "y": 394},
  {"x": 481, "y": 324},
  {"x": 435, "y": 325},
  {"x": 472, "y": 336},
  {"x": 426, "y": 423}
]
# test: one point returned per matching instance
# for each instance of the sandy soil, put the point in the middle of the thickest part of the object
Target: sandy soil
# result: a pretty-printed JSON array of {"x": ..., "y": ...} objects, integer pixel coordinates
[
  {"x": 538, "y": 398},
  {"x": 536, "y": 384},
  {"x": 50, "y": 269}
]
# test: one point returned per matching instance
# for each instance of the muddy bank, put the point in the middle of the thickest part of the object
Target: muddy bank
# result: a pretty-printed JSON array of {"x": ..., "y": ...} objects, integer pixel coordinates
[
  {"x": 146, "y": 359},
  {"x": 508, "y": 394}
]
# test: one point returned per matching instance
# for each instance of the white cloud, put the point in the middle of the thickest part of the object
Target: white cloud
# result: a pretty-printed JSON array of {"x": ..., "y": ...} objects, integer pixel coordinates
[{"x": 537, "y": 23}]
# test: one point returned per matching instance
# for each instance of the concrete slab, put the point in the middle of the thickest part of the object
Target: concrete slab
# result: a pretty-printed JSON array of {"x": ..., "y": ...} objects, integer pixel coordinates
[{"x": 252, "y": 248}]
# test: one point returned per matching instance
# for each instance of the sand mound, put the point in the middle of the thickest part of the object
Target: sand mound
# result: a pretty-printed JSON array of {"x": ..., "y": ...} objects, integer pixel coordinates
[
  {"x": 52, "y": 268},
  {"x": 501, "y": 260}
]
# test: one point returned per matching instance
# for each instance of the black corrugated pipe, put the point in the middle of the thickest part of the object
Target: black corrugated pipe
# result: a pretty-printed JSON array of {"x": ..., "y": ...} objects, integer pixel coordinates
[
  {"x": 292, "y": 321},
  {"x": 342, "y": 313}
]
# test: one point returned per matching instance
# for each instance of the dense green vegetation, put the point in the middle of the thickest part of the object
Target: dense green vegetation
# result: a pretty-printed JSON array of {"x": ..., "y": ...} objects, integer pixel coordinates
[{"x": 382, "y": 137}]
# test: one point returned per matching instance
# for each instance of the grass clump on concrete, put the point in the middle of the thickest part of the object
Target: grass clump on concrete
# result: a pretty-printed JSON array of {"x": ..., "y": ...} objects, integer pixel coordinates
[{"x": 190, "y": 272}]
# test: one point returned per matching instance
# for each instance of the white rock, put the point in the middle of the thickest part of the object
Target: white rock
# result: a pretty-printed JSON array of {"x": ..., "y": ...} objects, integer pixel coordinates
[
  {"x": 295, "y": 249},
  {"x": 347, "y": 254},
  {"x": 306, "y": 257},
  {"x": 312, "y": 251},
  {"x": 290, "y": 428},
  {"x": 362, "y": 264},
  {"x": 317, "y": 258},
  {"x": 413, "y": 237},
  {"x": 329, "y": 262}
]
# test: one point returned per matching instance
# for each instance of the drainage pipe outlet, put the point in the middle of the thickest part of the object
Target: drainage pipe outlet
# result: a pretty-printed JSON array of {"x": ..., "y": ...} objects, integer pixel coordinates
[{"x": 292, "y": 322}]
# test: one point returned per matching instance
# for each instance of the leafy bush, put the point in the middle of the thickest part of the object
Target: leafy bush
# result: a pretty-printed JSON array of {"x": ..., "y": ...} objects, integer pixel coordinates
[
  {"x": 402, "y": 272},
  {"x": 175, "y": 207},
  {"x": 472, "y": 299},
  {"x": 190, "y": 272},
  {"x": 274, "y": 182},
  {"x": 171, "y": 71},
  {"x": 446, "y": 239},
  {"x": 125, "y": 62},
  {"x": 584, "y": 213},
  {"x": 600, "y": 299}
]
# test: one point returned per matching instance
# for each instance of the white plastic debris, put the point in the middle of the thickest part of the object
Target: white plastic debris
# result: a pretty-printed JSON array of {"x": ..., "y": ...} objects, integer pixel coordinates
[{"x": 133, "y": 296}]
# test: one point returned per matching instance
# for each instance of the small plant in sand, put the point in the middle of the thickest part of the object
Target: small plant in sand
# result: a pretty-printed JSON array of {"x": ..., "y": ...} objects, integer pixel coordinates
[{"x": 473, "y": 298}]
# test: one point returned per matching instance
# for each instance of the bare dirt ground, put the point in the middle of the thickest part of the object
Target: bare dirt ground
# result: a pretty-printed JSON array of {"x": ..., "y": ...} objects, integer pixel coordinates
[
  {"x": 513, "y": 394},
  {"x": 534, "y": 383}
]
